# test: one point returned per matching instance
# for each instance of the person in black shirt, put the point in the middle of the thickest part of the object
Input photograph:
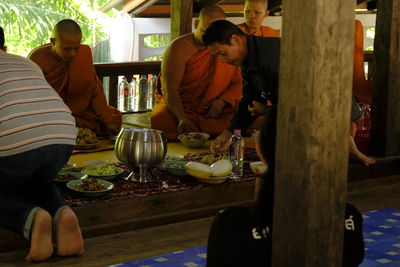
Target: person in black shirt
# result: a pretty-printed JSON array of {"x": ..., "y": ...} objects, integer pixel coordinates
[
  {"x": 241, "y": 236},
  {"x": 259, "y": 58}
]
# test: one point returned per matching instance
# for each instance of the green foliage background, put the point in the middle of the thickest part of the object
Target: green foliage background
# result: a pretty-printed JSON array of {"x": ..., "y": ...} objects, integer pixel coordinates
[{"x": 28, "y": 23}]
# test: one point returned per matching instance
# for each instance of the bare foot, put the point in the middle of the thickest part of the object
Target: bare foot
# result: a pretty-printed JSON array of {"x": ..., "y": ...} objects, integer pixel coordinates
[
  {"x": 41, "y": 242},
  {"x": 68, "y": 234},
  {"x": 365, "y": 159}
]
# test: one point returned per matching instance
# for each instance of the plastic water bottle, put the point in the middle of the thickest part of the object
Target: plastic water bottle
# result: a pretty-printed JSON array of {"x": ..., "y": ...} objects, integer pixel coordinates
[
  {"x": 123, "y": 95},
  {"x": 133, "y": 94},
  {"x": 143, "y": 90},
  {"x": 151, "y": 97},
  {"x": 236, "y": 154}
]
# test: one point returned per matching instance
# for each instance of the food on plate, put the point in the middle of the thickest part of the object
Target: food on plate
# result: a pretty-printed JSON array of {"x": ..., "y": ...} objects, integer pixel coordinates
[
  {"x": 258, "y": 167},
  {"x": 86, "y": 136},
  {"x": 90, "y": 184},
  {"x": 221, "y": 168},
  {"x": 193, "y": 140},
  {"x": 177, "y": 165},
  {"x": 210, "y": 159},
  {"x": 193, "y": 137},
  {"x": 65, "y": 177},
  {"x": 171, "y": 157},
  {"x": 198, "y": 170},
  {"x": 108, "y": 169}
]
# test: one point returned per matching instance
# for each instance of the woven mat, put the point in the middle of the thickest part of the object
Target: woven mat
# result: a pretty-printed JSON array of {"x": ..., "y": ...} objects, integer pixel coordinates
[
  {"x": 381, "y": 235},
  {"x": 164, "y": 183}
]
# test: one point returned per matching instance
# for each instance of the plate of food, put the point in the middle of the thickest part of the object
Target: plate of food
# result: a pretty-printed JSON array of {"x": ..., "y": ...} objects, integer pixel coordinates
[
  {"x": 213, "y": 179},
  {"x": 69, "y": 166},
  {"x": 193, "y": 139},
  {"x": 217, "y": 173},
  {"x": 86, "y": 139},
  {"x": 173, "y": 157},
  {"x": 176, "y": 167},
  {"x": 69, "y": 176},
  {"x": 106, "y": 172},
  {"x": 90, "y": 187}
]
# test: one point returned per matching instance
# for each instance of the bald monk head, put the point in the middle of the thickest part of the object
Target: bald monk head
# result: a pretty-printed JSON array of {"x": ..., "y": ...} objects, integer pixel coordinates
[
  {"x": 66, "y": 39},
  {"x": 254, "y": 12},
  {"x": 207, "y": 15}
]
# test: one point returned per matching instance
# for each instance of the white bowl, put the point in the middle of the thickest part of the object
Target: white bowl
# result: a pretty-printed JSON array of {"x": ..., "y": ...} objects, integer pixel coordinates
[
  {"x": 96, "y": 163},
  {"x": 258, "y": 167}
]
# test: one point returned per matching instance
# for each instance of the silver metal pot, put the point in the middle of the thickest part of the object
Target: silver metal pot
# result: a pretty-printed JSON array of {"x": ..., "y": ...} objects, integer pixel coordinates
[{"x": 141, "y": 148}]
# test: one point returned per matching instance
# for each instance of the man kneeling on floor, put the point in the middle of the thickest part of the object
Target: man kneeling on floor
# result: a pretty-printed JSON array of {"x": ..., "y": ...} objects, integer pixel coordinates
[{"x": 37, "y": 136}]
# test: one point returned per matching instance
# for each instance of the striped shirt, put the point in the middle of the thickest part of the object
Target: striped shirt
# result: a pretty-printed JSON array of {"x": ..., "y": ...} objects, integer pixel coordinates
[{"x": 32, "y": 114}]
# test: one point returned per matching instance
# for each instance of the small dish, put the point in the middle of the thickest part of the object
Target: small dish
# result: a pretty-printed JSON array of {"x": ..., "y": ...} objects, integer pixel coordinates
[
  {"x": 67, "y": 176},
  {"x": 69, "y": 166},
  {"x": 213, "y": 179},
  {"x": 176, "y": 167},
  {"x": 173, "y": 157},
  {"x": 108, "y": 172},
  {"x": 98, "y": 163},
  {"x": 193, "y": 139},
  {"x": 74, "y": 183},
  {"x": 258, "y": 167}
]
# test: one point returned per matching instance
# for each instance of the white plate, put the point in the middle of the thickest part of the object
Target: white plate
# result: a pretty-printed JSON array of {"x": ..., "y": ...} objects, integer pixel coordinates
[
  {"x": 214, "y": 179},
  {"x": 76, "y": 175},
  {"x": 69, "y": 166},
  {"x": 173, "y": 157},
  {"x": 105, "y": 177},
  {"x": 72, "y": 185}
]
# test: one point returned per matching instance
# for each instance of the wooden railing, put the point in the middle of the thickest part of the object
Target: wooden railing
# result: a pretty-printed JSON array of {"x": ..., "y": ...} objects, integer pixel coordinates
[
  {"x": 113, "y": 70},
  {"x": 128, "y": 69}
]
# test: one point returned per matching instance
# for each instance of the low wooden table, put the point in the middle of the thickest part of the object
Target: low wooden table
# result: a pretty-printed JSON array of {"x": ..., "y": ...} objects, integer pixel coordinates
[{"x": 150, "y": 210}]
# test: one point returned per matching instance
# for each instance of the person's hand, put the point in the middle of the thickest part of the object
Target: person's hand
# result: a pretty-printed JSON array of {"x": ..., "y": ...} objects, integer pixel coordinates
[
  {"x": 257, "y": 109},
  {"x": 184, "y": 126},
  {"x": 220, "y": 145},
  {"x": 214, "y": 108},
  {"x": 112, "y": 129}
]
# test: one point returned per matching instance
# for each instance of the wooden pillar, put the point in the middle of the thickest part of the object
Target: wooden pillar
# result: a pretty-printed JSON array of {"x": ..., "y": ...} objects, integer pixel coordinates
[
  {"x": 181, "y": 17},
  {"x": 313, "y": 132},
  {"x": 386, "y": 90}
]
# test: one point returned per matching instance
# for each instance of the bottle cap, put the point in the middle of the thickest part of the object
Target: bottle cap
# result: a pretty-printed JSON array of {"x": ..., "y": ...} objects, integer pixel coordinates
[{"x": 237, "y": 131}]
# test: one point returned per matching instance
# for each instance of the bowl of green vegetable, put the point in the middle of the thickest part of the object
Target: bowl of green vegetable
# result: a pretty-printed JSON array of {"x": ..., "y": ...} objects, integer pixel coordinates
[{"x": 106, "y": 172}]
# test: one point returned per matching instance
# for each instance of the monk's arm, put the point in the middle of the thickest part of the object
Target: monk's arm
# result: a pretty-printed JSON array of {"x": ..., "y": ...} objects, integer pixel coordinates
[
  {"x": 233, "y": 92},
  {"x": 173, "y": 68}
]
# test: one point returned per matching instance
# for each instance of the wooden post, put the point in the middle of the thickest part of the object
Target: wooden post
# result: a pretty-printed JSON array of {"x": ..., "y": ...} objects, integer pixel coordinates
[
  {"x": 313, "y": 132},
  {"x": 386, "y": 90},
  {"x": 181, "y": 17}
]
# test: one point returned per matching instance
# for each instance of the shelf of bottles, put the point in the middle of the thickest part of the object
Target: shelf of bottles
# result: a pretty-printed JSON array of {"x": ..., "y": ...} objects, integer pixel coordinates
[{"x": 136, "y": 93}]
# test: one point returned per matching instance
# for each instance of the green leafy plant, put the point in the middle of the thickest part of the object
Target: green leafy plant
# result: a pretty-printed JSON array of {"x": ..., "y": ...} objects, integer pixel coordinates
[{"x": 28, "y": 23}]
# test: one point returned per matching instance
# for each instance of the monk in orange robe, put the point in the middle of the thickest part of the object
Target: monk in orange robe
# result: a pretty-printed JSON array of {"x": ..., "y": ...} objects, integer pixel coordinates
[
  {"x": 362, "y": 88},
  {"x": 199, "y": 91},
  {"x": 68, "y": 68},
  {"x": 255, "y": 11}
]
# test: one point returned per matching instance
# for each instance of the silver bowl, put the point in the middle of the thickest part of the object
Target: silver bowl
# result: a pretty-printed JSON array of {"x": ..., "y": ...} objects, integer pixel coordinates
[{"x": 141, "y": 148}]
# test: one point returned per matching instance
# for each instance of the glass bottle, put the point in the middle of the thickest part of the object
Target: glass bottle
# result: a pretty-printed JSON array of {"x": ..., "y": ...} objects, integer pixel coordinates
[{"x": 236, "y": 154}]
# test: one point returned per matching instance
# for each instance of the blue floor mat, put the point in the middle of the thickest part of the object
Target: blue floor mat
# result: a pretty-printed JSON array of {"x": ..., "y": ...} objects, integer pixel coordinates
[{"x": 381, "y": 236}]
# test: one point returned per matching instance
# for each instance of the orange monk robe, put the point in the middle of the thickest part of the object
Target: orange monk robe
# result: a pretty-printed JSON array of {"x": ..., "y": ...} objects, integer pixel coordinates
[
  {"x": 263, "y": 31},
  {"x": 206, "y": 78},
  {"x": 80, "y": 88},
  {"x": 362, "y": 88}
]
